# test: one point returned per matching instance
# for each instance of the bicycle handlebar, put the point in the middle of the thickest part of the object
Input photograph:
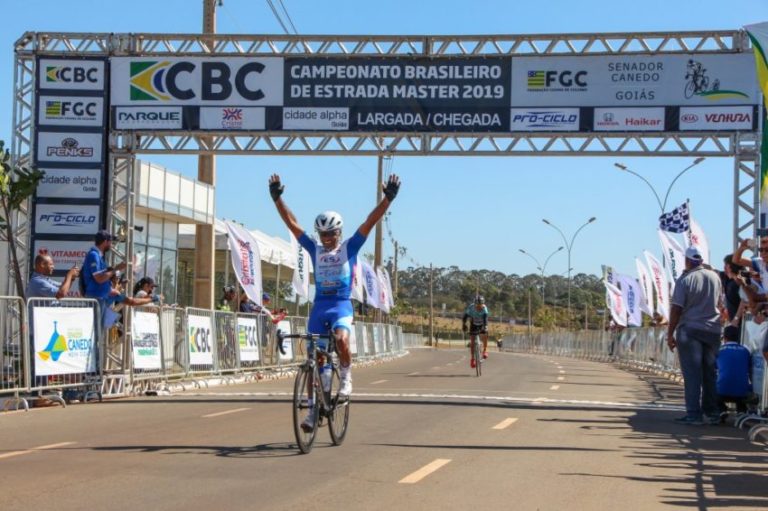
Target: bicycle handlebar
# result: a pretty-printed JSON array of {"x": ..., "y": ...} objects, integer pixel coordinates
[{"x": 307, "y": 337}]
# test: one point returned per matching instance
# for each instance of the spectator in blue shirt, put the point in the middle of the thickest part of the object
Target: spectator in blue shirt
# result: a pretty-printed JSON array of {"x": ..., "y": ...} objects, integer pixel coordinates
[
  {"x": 97, "y": 275},
  {"x": 41, "y": 285},
  {"x": 733, "y": 372}
]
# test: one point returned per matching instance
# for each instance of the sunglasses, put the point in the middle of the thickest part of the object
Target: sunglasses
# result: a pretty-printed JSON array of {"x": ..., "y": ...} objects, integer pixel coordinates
[
  {"x": 329, "y": 234},
  {"x": 763, "y": 249}
]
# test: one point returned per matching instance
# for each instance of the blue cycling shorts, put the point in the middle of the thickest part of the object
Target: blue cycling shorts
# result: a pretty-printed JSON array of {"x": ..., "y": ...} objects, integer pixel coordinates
[{"x": 338, "y": 314}]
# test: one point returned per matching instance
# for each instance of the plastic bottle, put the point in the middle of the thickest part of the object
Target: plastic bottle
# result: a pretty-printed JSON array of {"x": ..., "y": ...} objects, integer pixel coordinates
[{"x": 325, "y": 377}]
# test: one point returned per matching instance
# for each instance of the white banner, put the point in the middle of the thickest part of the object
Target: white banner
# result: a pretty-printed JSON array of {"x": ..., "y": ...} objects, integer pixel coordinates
[
  {"x": 155, "y": 117},
  {"x": 608, "y": 274},
  {"x": 70, "y": 183},
  {"x": 201, "y": 340},
  {"x": 71, "y": 111},
  {"x": 302, "y": 269},
  {"x": 717, "y": 118},
  {"x": 220, "y": 81},
  {"x": 384, "y": 298},
  {"x": 674, "y": 255},
  {"x": 315, "y": 118},
  {"x": 146, "y": 340},
  {"x": 660, "y": 284},
  {"x": 64, "y": 340},
  {"x": 69, "y": 147},
  {"x": 615, "y": 302},
  {"x": 66, "y": 219},
  {"x": 285, "y": 327},
  {"x": 246, "y": 260},
  {"x": 77, "y": 74},
  {"x": 65, "y": 254},
  {"x": 544, "y": 119},
  {"x": 695, "y": 236},
  {"x": 632, "y": 295},
  {"x": 646, "y": 288},
  {"x": 232, "y": 118},
  {"x": 634, "y": 80},
  {"x": 371, "y": 282},
  {"x": 248, "y": 338},
  {"x": 388, "y": 280},
  {"x": 357, "y": 282},
  {"x": 629, "y": 119}
]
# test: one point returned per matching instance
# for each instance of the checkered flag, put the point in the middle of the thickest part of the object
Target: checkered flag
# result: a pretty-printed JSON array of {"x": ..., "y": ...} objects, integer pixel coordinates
[{"x": 678, "y": 220}]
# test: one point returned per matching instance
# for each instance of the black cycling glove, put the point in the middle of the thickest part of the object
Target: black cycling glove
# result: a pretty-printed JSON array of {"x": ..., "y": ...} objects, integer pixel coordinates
[
  {"x": 276, "y": 190},
  {"x": 390, "y": 191}
]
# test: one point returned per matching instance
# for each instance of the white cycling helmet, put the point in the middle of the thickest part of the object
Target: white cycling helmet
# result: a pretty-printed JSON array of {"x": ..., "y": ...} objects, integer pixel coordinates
[{"x": 328, "y": 221}]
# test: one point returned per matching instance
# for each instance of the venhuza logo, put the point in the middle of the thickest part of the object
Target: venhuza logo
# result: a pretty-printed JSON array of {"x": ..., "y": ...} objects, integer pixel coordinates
[{"x": 159, "y": 81}]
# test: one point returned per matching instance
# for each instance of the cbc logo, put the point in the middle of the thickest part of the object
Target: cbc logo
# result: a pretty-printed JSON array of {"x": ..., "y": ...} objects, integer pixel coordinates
[{"x": 71, "y": 74}]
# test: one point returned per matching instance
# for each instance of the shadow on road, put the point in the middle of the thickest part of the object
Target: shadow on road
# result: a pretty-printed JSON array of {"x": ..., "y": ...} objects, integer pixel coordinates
[{"x": 275, "y": 450}]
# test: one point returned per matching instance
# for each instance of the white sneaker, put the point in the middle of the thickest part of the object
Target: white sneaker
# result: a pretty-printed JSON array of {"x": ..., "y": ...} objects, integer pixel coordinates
[
  {"x": 346, "y": 386},
  {"x": 309, "y": 422}
]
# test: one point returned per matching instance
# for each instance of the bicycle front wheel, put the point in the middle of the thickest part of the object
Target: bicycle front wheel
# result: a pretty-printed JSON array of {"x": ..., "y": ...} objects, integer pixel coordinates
[
  {"x": 304, "y": 391},
  {"x": 478, "y": 360},
  {"x": 338, "y": 415}
]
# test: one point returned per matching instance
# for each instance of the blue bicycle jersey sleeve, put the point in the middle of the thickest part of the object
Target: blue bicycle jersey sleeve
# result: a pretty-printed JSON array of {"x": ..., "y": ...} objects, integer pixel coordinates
[{"x": 309, "y": 245}]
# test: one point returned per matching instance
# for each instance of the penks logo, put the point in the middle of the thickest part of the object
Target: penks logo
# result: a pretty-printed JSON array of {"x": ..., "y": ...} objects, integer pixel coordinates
[
  {"x": 56, "y": 345},
  {"x": 147, "y": 81},
  {"x": 70, "y": 148}
]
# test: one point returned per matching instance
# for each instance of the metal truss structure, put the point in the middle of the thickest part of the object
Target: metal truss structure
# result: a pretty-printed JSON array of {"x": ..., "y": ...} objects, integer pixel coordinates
[{"x": 744, "y": 148}]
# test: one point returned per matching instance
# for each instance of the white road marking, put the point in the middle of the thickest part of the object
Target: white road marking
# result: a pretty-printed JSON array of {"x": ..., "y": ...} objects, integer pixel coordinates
[
  {"x": 505, "y": 423},
  {"x": 33, "y": 449},
  {"x": 413, "y": 373},
  {"x": 560, "y": 378},
  {"x": 377, "y": 382},
  {"x": 435, "y": 367},
  {"x": 236, "y": 410},
  {"x": 561, "y": 372},
  {"x": 466, "y": 397},
  {"x": 554, "y": 387},
  {"x": 424, "y": 471}
]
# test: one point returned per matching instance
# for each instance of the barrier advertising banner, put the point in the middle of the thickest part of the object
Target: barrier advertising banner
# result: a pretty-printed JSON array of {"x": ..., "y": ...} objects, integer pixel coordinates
[
  {"x": 201, "y": 340},
  {"x": 246, "y": 260},
  {"x": 285, "y": 327},
  {"x": 146, "y": 340},
  {"x": 63, "y": 340},
  {"x": 248, "y": 338}
]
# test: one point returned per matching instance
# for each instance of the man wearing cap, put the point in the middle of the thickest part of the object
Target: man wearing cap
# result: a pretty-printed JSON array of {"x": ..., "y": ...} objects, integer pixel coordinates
[
  {"x": 694, "y": 328},
  {"x": 41, "y": 285},
  {"x": 97, "y": 275}
]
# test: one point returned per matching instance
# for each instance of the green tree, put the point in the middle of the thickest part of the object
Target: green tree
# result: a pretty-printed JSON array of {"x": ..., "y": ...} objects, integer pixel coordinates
[{"x": 17, "y": 184}]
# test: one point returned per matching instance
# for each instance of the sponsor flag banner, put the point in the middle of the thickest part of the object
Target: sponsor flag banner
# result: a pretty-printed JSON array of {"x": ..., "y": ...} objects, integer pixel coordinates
[
  {"x": 677, "y": 220},
  {"x": 371, "y": 283},
  {"x": 660, "y": 284},
  {"x": 285, "y": 327},
  {"x": 246, "y": 260},
  {"x": 201, "y": 340},
  {"x": 389, "y": 287},
  {"x": 608, "y": 274},
  {"x": 64, "y": 340},
  {"x": 758, "y": 34},
  {"x": 630, "y": 291},
  {"x": 695, "y": 237},
  {"x": 383, "y": 291},
  {"x": 357, "y": 283},
  {"x": 302, "y": 269},
  {"x": 146, "y": 340},
  {"x": 248, "y": 338},
  {"x": 646, "y": 290},
  {"x": 353, "y": 341},
  {"x": 674, "y": 255},
  {"x": 615, "y": 302}
]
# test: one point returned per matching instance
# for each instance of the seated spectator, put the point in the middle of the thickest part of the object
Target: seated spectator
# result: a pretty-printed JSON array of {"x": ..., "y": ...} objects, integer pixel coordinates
[
  {"x": 225, "y": 303},
  {"x": 41, "y": 285},
  {"x": 733, "y": 373}
]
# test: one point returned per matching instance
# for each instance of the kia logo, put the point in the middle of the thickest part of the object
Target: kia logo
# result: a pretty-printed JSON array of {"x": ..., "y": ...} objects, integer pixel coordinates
[{"x": 689, "y": 118}]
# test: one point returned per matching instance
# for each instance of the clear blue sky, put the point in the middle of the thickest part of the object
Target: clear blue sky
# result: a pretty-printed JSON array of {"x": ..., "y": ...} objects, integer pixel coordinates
[{"x": 470, "y": 212}]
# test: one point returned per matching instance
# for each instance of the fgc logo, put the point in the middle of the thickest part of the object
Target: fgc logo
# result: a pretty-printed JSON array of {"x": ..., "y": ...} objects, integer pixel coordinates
[{"x": 557, "y": 80}]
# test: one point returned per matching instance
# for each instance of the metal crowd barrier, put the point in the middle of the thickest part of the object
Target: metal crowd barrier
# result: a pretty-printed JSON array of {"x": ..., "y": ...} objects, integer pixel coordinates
[
  {"x": 753, "y": 336},
  {"x": 14, "y": 359}
]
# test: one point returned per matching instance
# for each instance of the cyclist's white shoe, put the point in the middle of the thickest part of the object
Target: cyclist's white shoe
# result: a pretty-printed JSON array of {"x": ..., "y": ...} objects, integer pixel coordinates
[
  {"x": 346, "y": 386},
  {"x": 309, "y": 422}
]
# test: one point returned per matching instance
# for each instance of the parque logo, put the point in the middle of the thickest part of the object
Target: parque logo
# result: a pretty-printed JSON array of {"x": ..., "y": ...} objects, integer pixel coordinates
[
  {"x": 56, "y": 345},
  {"x": 147, "y": 80}
]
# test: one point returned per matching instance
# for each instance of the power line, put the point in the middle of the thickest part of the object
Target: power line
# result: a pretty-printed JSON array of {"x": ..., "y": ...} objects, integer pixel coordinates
[
  {"x": 289, "y": 17},
  {"x": 277, "y": 16}
]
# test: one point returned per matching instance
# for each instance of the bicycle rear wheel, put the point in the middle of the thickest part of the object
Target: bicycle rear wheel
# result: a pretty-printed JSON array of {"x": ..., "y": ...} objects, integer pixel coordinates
[
  {"x": 304, "y": 378},
  {"x": 338, "y": 415}
]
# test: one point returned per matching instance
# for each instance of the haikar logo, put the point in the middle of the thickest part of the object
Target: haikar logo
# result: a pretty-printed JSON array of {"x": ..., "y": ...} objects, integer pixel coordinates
[
  {"x": 70, "y": 148},
  {"x": 71, "y": 74},
  {"x": 166, "y": 81},
  {"x": 68, "y": 219},
  {"x": 557, "y": 81}
]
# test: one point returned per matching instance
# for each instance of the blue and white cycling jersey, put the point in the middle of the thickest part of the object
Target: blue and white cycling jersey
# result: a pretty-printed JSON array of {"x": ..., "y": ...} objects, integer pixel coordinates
[{"x": 477, "y": 318}]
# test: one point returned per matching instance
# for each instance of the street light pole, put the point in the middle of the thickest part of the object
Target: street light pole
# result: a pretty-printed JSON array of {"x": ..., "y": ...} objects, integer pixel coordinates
[
  {"x": 569, "y": 246},
  {"x": 662, "y": 204},
  {"x": 540, "y": 267}
]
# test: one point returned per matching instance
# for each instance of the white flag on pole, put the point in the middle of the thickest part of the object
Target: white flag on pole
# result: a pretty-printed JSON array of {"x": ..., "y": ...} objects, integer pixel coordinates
[
  {"x": 357, "y": 282},
  {"x": 674, "y": 254},
  {"x": 695, "y": 236},
  {"x": 630, "y": 291},
  {"x": 646, "y": 291},
  {"x": 615, "y": 302},
  {"x": 389, "y": 287},
  {"x": 371, "y": 282},
  {"x": 246, "y": 260},
  {"x": 660, "y": 284},
  {"x": 383, "y": 291},
  {"x": 302, "y": 269}
]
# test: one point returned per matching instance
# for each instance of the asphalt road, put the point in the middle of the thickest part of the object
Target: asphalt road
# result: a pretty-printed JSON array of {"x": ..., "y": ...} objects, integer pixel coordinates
[{"x": 533, "y": 433}]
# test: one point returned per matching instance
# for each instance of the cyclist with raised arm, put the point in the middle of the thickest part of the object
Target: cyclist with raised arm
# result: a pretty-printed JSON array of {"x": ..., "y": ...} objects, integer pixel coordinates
[
  {"x": 477, "y": 314},
  {"x": 334, "y": 262}
]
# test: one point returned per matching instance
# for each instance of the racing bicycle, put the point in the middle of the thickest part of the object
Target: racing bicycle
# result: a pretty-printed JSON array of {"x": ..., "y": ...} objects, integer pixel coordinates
[
  {"x": 475, "y": 343},
  {"x": 323, "y": 392}
]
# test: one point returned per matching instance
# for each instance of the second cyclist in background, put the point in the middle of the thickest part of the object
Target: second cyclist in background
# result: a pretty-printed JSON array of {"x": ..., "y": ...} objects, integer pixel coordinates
[{"x": 477, "y": 314}]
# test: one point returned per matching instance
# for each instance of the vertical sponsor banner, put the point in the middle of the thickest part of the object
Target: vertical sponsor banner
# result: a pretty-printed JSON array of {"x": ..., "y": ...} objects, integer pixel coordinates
[
  {"x": 388, "y": 282},
  {"x": 302, "y": 269},
  {"x": 615, "y": 303},
  {"x": 758, "y": 34},
  {"x": 630, "y": 291},
  {"x": 70, "y": 145},
  {"x": 64, "y": 341},
  {"x": 660, "y": 284},
  {"x": 248, "y": 339},
  {"x": 246, "y": 260},
  {"x": 146, "y": 340},
  {"x": 371, "y": 282},
  {"x": 200, "y": 339},
  {"x": 353, "y": 341},
  {"x": 384, "y": 298},
  {"x": 285, "y": 327},
  {"x": 695, "y": 237},
  {"x": 674, "y": 255},
  {"x": 608, "y": 274},
  {"x": 646, "y": 289},
  {"x": 357, "y": 282}
]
